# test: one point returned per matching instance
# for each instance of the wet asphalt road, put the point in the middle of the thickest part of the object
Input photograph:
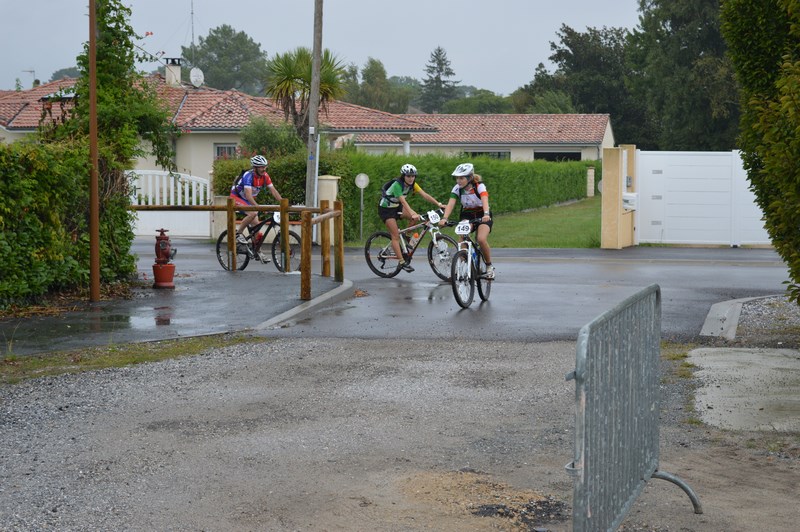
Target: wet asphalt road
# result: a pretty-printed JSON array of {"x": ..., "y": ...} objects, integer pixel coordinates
[
  {"x": 546, "y": 294},
  {"x": 539, "y": 295}
]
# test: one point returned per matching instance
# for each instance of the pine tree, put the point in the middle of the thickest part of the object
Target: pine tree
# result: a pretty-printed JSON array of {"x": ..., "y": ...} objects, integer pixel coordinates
[{"x": 437, "y": 88}]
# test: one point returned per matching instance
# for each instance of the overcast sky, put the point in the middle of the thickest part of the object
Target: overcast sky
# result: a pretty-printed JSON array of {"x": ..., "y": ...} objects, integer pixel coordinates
[{"x": 491, "y": 44}]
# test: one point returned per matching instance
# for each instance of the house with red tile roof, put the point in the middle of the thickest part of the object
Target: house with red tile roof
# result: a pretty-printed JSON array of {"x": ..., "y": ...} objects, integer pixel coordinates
[
  {"x": 504, "y": 136},
  {"x": 212, "y": 119}
]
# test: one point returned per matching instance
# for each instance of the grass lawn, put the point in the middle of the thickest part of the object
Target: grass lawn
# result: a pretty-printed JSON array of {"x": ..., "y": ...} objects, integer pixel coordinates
[{"x": 572, "y": 225}]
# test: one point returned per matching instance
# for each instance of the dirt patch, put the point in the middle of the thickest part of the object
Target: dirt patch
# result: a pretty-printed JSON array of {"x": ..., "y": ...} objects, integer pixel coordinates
[{"x": 470, "y": 493}]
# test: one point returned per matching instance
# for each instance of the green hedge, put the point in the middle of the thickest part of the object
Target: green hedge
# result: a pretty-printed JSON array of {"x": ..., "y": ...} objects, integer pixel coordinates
[
  {"x": 513, "y": 186},
  {"x": 44, "y": 241}
]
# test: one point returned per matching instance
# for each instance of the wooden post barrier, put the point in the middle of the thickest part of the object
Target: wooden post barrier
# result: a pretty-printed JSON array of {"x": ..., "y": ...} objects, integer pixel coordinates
[
  {"x": 305, "y": 257},
  {"x": 338, "y": 234},
  {"x": 231, "y": 219},
  {"x": 287, "y": 267},
  {"x": 325, "y": 239},
  {"x": 325, "y": 214}
]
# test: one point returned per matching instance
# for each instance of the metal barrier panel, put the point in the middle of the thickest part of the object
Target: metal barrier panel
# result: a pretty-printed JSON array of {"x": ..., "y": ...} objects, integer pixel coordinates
[{"x": 617, "y": 410}]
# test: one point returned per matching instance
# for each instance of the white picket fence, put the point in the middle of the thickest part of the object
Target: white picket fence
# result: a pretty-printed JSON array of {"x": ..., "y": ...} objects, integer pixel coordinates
[{"x": 157, "y": 187}]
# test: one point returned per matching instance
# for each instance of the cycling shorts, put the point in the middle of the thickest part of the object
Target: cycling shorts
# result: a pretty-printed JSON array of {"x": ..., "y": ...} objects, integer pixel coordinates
[
  {"x": 239, "y": 201},
  {"x": 475, "y": 216},
  {"x": 390, "y": 212}
]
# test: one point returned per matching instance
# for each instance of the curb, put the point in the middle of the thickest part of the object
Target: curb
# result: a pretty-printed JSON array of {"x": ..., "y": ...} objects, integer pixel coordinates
[
  {"x": 340, "y": 293},
  {"x": 723, "y": 318}
]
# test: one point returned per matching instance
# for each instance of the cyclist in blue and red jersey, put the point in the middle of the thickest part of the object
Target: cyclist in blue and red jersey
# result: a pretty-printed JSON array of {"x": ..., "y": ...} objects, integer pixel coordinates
[{"x": 245, "y": 190}]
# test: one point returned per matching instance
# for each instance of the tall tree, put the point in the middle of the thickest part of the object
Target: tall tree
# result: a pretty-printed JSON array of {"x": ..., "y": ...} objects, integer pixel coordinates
[
  {"x": 543, "y": 81},
  {"x": 375, "y": 87},
  {"x": 375, "y": 90},
  {"x": 591, "y": 68},
  {"x": 682, "y": 73},
  {"x": 350, "y": 84},
  {"x": 229, "y": 59},
  {"x": 69, "y": 72},
  {"x": 437, "y": 87},
  {"x": 128, "y": 108},
  {"x": 132, "y": 121},
  {"x": 481, "y": 101},
  {"x": 552, "y": 102},
  {"x": 289, "y": 83},
  {"x": 763, "y": 37},
  {"x": 405, "y": 92}
]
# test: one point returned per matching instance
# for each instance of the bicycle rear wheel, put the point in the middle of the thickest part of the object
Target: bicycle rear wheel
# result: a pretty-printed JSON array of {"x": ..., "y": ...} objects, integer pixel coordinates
[
  {"x": 440, "y": 255},
  {"x": 484, "y": 285},
  {"x": 380, "y": 255},
  {"x": 295, "y": 252},
  {"x": 242, "y": 255},
  {"x": 462, "y": 282}
]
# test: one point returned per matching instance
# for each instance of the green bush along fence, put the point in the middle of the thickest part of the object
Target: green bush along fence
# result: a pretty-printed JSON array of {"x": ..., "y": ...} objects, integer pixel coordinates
[
  {"x": 44, "y": 220},
  {"x": 513, "y": 186}
]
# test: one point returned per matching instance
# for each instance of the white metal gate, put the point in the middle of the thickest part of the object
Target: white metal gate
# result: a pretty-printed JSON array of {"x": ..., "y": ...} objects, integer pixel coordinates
[
  {"x": 696, "y": 198},
  {"x": 156, "y": 187}
]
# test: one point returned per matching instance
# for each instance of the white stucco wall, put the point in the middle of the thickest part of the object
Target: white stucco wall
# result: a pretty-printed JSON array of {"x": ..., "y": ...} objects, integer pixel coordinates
[{"x": 7, "y": 137}]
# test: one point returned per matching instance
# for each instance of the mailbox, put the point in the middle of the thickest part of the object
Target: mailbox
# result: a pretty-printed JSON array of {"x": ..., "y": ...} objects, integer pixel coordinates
[{"x": 630, "y": 201}]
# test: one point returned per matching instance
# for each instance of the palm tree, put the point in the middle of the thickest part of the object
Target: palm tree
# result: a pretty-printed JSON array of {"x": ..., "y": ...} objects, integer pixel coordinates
[{"x": 289, "y": 84}]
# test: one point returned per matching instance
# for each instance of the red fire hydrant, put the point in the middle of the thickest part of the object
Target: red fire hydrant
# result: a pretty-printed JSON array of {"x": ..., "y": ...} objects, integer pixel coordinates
[{"x": 163, "y": 270}]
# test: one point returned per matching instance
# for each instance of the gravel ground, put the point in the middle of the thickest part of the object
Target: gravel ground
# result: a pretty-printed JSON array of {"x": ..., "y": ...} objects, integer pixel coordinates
[
  {"x": 769, "y": 322},
  {"x": 299, "y": 434}
]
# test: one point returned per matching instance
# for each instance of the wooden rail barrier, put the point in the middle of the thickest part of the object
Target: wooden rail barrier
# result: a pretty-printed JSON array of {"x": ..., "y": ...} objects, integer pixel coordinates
[{"x": 325, "y": 214}]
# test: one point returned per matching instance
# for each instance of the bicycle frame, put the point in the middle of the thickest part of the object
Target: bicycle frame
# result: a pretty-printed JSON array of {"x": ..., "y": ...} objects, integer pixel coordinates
[
  {"x": 467, "y": 243},
  {"x": 467, "y": 268},
  {"x": 381, "y": 257}
]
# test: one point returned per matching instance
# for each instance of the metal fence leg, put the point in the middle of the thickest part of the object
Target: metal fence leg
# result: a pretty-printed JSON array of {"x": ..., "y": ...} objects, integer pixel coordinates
[{"x": 698, "y": 509}]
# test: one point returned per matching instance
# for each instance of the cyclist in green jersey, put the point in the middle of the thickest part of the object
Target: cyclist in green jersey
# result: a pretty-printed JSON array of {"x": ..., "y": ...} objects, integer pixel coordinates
[{"x": 393, "y": 206}]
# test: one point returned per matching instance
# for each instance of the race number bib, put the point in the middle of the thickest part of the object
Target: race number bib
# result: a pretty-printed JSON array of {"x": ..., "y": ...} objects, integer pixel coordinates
[
  {"x": 433, "y": 217},
  {"x": 464, "y": 227}
]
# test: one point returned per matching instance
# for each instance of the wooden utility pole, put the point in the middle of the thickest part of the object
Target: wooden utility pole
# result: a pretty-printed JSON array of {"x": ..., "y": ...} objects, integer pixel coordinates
[
  {"x": 313, "y": 109},
  {"x": 94, "y": 195}
]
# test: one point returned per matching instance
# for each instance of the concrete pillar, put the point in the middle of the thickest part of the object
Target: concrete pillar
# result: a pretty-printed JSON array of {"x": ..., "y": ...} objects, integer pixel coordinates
[
  {"x": 328, "y": 190},
  {"x": 617, "y": 225}
]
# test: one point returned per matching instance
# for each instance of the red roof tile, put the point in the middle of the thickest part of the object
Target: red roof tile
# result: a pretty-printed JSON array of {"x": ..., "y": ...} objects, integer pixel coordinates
[
  {"x": 22, "y": 110},
  {"x": 348, "y": 118},
  {"x": 504, "y": 129},
  {"x": 208, "y": 109}
]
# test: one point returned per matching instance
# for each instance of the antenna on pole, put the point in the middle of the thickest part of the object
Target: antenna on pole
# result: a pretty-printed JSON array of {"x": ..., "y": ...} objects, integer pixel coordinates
[
  {"x": 192, "y": 14},
  {"x": 33, "y": 73}
]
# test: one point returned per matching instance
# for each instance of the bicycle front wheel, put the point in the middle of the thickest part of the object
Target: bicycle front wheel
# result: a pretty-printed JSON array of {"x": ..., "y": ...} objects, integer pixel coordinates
[
  {"x": 380, "y": 255},
  {"x": 440, "y": 255},
  {"x": 462, "y": 282},
  {"x": 484, "y": 284},
  {"x": 242, "y": 256},
  {"x": 295, "y": 252}
]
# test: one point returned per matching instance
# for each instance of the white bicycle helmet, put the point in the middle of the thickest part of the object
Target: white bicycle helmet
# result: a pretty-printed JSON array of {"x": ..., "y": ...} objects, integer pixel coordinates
[
  {"x": 408, "y": 169},
  {"x": 258, "y": 160},
  {"x": 464, "y": 169}
]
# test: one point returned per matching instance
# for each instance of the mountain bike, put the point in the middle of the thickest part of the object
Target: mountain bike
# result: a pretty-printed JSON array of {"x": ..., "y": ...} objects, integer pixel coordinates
[
  {"x": 249, "y": 247},
  {"x": 383, "y": 261},
  {"x": 468, "y": 268}
]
